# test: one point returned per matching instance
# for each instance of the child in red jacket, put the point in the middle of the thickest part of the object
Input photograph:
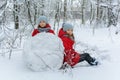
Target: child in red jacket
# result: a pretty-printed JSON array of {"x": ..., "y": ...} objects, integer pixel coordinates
[
  {"x": 71, "y": 56},
  {"x": 43, "y": 26}
]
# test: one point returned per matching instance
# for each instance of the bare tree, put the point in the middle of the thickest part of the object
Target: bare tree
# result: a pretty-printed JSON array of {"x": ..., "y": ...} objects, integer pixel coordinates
[
  {"x": 2, "y": 11},
  {"x": 98, "y": 11},
  {"x": 65, "y": 11},
  {"x": 57, "y": 14},
  {"x": 42, "y": 7},
  {"x": 16, "y": 14},
  {"x": 83, "y": 11}
]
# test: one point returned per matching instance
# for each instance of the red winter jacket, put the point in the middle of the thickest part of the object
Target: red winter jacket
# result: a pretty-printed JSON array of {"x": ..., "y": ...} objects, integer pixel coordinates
[
  {"x": 35, "y": 32},
  {"x": 71, "y": 57}
]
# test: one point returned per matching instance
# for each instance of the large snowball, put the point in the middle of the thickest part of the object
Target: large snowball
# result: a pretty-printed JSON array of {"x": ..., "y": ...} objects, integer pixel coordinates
[{"x": 43, "y": 52}]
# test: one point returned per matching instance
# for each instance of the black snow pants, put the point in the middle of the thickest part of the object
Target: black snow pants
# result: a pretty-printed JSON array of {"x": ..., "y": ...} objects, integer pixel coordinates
[{"x": 86, "y": 57}]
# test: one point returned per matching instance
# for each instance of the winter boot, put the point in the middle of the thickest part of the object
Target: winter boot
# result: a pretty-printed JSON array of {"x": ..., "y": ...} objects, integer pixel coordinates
[
  {"x": 88, "y": 58},
  {"x": 94, "y": 63}
]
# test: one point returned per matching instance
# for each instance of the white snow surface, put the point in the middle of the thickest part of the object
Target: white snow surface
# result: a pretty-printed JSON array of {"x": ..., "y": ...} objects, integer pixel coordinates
[
  {"x": 105, "y": 40},
  {"x": 42, "y": 52}
]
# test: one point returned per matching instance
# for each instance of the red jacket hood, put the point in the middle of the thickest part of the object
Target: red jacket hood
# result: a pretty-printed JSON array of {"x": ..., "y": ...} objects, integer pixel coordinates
[{"x": 61, "y": 33}]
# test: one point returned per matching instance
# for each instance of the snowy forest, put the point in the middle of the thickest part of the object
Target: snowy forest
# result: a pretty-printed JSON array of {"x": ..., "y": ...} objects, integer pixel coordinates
[{"x": 96, "y": 28}]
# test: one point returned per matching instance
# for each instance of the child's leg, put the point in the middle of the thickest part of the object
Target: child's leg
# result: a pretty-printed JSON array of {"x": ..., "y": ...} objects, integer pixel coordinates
[{"x": 88, "y": 58}]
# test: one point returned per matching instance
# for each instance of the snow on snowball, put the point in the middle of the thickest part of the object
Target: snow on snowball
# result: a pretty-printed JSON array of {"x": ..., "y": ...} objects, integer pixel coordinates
[{"x": 43, "y": 52}]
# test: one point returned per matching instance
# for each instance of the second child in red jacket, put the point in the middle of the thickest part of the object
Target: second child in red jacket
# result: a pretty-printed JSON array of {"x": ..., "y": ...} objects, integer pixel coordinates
[
  {"x": 43, "y": 26},
  {"x": 72, "y": 57}
]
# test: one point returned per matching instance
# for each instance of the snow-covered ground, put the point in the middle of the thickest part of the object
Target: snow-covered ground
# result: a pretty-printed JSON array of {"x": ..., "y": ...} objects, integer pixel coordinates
[{"x": 104, "y": 39}]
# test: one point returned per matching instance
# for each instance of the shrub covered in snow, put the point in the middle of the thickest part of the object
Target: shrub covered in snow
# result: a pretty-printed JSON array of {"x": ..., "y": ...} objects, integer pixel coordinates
[{"x": 43, "y": 52}]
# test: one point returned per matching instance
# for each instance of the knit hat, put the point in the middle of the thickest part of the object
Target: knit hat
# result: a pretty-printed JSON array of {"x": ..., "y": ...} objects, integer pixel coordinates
[
  {"x": 42, "y": 18},
  {"x": 67, "y": 26}
]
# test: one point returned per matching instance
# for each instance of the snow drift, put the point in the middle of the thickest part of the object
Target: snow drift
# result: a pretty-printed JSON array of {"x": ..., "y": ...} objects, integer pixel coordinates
[{"x": 43, "y": 52}]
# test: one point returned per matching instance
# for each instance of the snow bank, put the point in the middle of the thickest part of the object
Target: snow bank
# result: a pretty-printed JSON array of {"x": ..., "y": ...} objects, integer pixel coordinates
[{"x": 43, "y": 52}]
